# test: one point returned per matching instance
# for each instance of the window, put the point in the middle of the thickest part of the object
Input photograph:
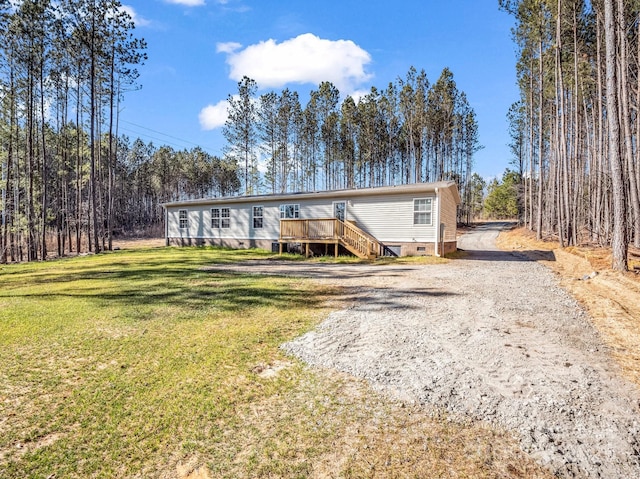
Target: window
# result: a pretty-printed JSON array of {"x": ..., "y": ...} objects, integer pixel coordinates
[
  {"x": 220, "y": 218},
  {"x": 257, "y": 216},
  {"x": 289, "y": 212},
  {"x": 422, "y": 211},
  {"x": 184, "y": 222},
  {"x": 226, "y": 218},
  {"x": 215, "y": 217}
]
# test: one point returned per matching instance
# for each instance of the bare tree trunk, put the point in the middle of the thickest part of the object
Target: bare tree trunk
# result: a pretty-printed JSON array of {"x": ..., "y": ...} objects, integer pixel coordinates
[
  {"x": 625, "y": 120},
  {"x": 561, "y": 135},
  {"x": 43, "y": 246},
  {"x": 78, "y": 163},
  {"x": 636, "y": 239},
  {"x": 576, "y": 169},
  {"x": 619, "y": 244},
  {"x": 529, "y": 221},
  {"x": 92, "y": 129},
  {"x": 14, "y": 236},
  {"x": 32, "y": 253},
  {"x": 110, "y": 158},
  {"x": 600, "y": 197},
  {"x": 8, "y": 205},
  {"x": 540, "y": 139}
]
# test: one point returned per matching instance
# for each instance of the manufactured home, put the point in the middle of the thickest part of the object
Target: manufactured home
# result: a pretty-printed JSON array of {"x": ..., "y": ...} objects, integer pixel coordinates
[{"x": 407, "y": 220}]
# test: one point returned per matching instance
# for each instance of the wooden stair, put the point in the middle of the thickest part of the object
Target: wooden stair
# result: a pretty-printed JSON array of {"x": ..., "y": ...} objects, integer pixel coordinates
[
  {"x": 358, "y": 242},
  {"x": 330, "y": 231}
]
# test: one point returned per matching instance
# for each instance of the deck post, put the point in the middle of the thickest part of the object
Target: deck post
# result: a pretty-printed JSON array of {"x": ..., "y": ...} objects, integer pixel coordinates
[
  {"x": 336, "y": 250},
  {"x": 306, "y": 250},
  {"x": 280, "y": 247}
]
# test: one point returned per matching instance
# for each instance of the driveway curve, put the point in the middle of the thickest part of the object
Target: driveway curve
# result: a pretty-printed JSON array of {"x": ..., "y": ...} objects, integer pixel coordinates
[{"x": 491, "y": 337}]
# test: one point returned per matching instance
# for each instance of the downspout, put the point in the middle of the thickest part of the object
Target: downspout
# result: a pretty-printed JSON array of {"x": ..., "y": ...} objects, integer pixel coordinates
[{"x": 437, "y": 223}]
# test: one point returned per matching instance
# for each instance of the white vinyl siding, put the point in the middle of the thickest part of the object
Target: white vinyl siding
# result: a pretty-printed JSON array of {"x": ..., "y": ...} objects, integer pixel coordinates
[
  {"x": 389, "y": 217},
  {"x": 448, "y": 215}
]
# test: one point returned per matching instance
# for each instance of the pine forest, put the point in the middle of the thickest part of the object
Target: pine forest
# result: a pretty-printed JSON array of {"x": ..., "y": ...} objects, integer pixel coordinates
[
  {"x": 70, "y": 182},
  {"x": 575, "y": 128}
]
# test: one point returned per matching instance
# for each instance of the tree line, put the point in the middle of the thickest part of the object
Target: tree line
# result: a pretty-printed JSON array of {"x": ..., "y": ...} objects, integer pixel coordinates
[
  {"x": 68, "y": 180},
  {"x": 148, "y": 176},
  {"x": 576, "y": 127},
  {"x": 411, "y": 131}
]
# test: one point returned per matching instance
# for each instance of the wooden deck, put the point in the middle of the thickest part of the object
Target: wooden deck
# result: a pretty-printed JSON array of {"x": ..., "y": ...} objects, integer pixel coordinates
[{"x": 329, "y": 231}]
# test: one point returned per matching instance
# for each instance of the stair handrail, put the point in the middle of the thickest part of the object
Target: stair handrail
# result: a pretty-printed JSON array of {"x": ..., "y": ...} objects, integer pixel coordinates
[{"x": 364, "y": 242}]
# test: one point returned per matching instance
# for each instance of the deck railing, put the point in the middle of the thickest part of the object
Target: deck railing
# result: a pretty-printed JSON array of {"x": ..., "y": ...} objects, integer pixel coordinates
[
  {"x": 328, "y": 230},
  {"x": 319, "y": 229}
]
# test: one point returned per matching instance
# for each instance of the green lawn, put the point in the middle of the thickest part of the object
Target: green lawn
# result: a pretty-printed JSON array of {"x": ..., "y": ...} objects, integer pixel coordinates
[{"x": 143, "y": 364}]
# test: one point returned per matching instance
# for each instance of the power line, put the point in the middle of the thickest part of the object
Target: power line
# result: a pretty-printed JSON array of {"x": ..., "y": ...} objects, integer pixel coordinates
[
  {"x": 162, "y": 141},
  {"x": 210, "y": 149}
]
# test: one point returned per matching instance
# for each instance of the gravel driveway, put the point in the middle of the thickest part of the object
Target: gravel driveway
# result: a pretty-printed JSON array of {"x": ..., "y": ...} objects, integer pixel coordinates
[{"x": 492, "y": 337}]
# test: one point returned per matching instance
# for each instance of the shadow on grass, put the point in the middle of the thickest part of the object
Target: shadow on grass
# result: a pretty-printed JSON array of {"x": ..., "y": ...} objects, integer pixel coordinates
[
  {"x": 333, "y": 271},
  {"x": 242, "y": 292},
  {"x": 176, "y": 290},
  {"x": 511, "y": 256},
  {"x": 158, "y": 278},
  {"x": 166, "y": 278}
]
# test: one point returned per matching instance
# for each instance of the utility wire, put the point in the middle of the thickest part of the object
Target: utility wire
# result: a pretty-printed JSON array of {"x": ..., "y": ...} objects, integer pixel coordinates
[
  {"x": 162, "y": 141},
  {"x": 210, "y": 149}
]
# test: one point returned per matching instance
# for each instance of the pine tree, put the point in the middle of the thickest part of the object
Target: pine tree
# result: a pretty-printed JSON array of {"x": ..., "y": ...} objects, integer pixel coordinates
[{"x": 240, "y": 131}]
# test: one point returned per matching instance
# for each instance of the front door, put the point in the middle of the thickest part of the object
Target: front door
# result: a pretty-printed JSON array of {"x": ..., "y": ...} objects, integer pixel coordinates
[{"x": 340, "y": 210}]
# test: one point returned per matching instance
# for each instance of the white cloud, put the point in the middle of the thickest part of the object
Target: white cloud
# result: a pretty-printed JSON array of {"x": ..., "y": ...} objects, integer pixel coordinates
[
  {"x": 228, "y": 47},
  {"x": 187, "y": 3},
  {"x": 263, "y": 162},
  {"x": 214, "y": 116},
  {"x": 233, "y": 6},
  {"x": 359, "y": 95},
  {"x": 303, "y": 59},
  {"x": 137, "y": 20}
]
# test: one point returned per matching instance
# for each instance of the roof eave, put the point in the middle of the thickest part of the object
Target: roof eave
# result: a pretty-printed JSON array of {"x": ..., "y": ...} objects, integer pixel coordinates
[{"x": 383, "y": 190}]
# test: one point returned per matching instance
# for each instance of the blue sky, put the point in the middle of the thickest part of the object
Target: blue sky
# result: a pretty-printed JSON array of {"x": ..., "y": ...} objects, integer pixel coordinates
[{"x": 199, "y": 49}]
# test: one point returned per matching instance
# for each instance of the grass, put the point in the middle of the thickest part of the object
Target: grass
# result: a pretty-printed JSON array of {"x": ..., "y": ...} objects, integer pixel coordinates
[{"x": 142, "y": 364}]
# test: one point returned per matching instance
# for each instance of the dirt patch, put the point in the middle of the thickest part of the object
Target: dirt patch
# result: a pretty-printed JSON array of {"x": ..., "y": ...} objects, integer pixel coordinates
[
  {"x": 269, "y": 371},
  {"x": 493, "y": 337},
  {"x": 138, "y": 243},
  {"x": 191, "y": 469}
]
